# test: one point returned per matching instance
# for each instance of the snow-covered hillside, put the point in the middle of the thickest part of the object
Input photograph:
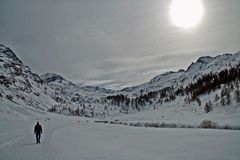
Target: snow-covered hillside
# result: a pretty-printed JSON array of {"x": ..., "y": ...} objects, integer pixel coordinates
[
  {"x": 49, "y": 92},
  {"x": 211, "y": 84}
]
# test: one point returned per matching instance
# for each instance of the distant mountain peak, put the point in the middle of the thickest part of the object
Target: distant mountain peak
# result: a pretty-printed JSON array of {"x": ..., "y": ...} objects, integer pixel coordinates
[
  {"x": 204, "y": 59},
  {"x": 8, "y": 53},
  {"x": 51, "y": 77}
]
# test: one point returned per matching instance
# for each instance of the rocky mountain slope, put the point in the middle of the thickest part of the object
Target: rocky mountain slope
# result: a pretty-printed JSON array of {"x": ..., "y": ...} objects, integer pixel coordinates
[{"x": 209, "y": 84}]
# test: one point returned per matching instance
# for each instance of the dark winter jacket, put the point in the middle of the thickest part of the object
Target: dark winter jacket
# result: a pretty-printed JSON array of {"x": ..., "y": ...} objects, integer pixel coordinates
[{"x": 38, "y": 129}]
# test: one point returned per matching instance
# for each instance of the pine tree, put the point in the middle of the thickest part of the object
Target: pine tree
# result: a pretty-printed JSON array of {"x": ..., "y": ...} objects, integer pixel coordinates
[
  {"x": 208, "y": 107},
  {"x": 217, "y": 98},
  {"x": 199, "y": 101},
  {"x": 223, "y": 101},
  {"x": 82, "y": 112},
  {"x": 45, "y": 90},
  {"x": 224, "y": 91},
  {"x": 231, "y": 87},
  {"x": 237, "y": 85},
  {"x": 92, "y": 111},
  {"x": 237, "y": 95},
  {"x": 228, "y": 98},
  {"x": 77, "y": 112}
]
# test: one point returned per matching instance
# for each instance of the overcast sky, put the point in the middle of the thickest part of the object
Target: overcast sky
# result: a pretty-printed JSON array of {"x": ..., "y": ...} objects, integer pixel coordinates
[{"x": 114, "y": 43}]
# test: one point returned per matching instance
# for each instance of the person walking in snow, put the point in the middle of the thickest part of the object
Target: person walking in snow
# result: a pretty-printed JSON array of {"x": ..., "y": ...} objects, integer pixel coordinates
[{"x": 38, "y": 132}]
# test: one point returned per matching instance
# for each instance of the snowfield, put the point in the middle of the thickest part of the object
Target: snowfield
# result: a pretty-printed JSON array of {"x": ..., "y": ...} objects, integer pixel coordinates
[
  {"x": 65, "y": 138},
  {"x": 183, "y": 115}
]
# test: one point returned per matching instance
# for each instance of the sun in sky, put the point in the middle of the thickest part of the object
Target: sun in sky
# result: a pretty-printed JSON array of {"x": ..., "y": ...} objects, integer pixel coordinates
[{"x": 186, "y": 13}]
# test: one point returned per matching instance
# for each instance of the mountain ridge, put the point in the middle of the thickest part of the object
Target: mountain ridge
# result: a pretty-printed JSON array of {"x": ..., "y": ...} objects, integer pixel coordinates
[{"x": 52, "y": 92}]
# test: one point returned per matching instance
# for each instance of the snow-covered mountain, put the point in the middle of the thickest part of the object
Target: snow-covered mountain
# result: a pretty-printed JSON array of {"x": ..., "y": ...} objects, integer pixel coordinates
[
  {"x": 203, "y": 66},
  {"x": 49, "y": 92},
  {"x": 208, "y": 85},
  {"x": 52, "y": 77}
]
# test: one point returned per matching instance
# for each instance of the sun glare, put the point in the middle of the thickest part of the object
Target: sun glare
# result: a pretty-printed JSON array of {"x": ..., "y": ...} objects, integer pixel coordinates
[{"x": 186, "y": 13}]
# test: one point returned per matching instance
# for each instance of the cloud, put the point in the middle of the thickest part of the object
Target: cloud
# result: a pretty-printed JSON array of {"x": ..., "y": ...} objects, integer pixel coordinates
[
  {"x": 118, "y": 73},
  {"x": 113, "y": 43}
]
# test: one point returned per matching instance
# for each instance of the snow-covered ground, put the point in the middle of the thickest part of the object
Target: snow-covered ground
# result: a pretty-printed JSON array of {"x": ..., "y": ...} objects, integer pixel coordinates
[
  {"x": 185, "y": 115},
  {"x": 66, "y": 139}
]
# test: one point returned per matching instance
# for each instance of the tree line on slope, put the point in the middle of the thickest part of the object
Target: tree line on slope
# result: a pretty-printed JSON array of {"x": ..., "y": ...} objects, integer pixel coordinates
[{"x": 225, "y": 79}]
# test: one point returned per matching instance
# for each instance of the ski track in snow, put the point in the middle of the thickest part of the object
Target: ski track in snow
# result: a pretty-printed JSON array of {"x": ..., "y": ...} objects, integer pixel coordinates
[
  {"x": 15, "y": 144},
  {"x": 11, "y": 138}
]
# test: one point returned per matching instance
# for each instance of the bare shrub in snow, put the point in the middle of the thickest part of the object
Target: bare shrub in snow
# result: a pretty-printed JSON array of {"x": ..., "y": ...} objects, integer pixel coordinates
[{"x": 208, "y": 124}]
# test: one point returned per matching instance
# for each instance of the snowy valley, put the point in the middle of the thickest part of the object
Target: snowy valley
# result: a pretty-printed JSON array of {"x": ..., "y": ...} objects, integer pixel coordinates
[
  {"x": 208, "y": 86},
  {"x": 135, "y": 123}
]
